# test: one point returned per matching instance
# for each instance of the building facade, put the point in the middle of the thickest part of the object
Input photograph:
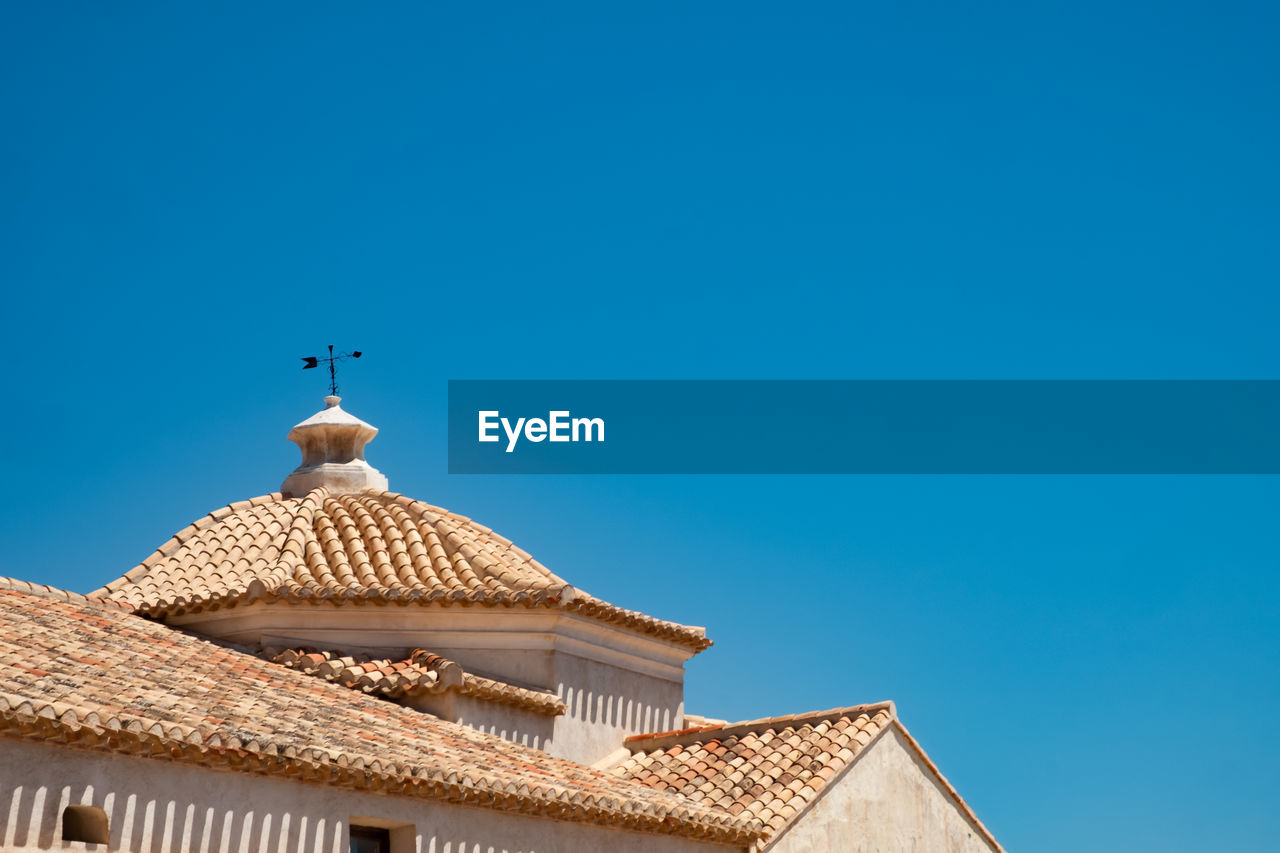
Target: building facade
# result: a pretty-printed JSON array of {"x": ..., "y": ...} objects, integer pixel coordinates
[{"x": 338, "y": 667}]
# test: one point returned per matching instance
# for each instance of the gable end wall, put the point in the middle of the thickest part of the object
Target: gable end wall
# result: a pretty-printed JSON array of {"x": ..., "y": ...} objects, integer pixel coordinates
[{"x": 888, "y": 800}]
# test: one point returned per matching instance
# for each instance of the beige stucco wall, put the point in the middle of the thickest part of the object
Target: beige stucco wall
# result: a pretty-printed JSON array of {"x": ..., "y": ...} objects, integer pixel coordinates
[
  {"x": 507, "y": 722},
  {"x": 615, "y": 682},
  {"x": 887, "y": 801},
  {"x": 605, "y": 704},
  {"x": 162, "y": 807}
]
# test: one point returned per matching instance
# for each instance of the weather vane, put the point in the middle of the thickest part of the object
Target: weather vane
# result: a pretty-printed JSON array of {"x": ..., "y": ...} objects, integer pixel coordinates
[{"x": 314, "y": 361}]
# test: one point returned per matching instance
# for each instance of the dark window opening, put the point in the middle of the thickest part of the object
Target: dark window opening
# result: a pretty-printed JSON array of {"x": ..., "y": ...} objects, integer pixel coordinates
[
  {"x": 368, "y": 839},
  {"x": 85, "y": 823}
]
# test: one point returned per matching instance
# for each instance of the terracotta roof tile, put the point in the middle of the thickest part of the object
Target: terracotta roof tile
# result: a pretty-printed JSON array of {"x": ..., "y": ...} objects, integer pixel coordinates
[
  {"x": 373, "y": 547},
  {"x": 421, "y": 671},
  {"x": 771, "y": 769},
  {"x": 88, "y": 675},
  {"x": 768, "y": 769}
]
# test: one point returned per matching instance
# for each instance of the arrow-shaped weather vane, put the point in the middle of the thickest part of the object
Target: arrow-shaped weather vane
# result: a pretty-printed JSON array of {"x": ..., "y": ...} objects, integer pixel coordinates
[{"x": 314, "y": 361}]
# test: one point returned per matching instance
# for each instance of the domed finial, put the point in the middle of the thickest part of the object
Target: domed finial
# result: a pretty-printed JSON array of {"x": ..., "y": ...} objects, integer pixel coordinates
[{"x": 332, "y": 444}]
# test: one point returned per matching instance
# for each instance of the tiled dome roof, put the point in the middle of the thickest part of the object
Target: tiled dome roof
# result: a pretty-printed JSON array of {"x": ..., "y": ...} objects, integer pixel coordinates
[{"x": 374, "y": 546}]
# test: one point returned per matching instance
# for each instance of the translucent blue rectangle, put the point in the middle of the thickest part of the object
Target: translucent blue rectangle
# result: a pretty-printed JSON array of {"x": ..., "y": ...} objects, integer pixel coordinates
[{"x": 867, "y": 427}]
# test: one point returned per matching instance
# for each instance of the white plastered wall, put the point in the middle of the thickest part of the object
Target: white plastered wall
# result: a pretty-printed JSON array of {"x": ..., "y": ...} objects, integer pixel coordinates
[
  {"x": 162, "y": 807},
  {"x": 615, "y": 682},
  {"x": 603, "y": 705},
  {"x": 517, "y": 725},
  {"x": 887, "y": 801},
  {"x": 606, "y": 703}
]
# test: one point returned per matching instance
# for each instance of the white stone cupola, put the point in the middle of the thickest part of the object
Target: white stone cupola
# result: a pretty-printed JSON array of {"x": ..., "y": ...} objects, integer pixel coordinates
[{"x": 332, "y": 443}]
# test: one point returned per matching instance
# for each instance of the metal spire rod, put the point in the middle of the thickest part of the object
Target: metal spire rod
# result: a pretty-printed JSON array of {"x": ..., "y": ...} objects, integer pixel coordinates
[{"x": 314, "y": 361}]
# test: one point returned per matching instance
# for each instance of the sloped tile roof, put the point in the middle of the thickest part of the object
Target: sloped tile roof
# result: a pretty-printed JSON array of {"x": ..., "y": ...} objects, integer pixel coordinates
[
  {"x": 770, "y": 769},
  {"x": 384, "y": 677},
  {"x": 421, "y": 671},
  {"x": 373, "y": 547},
  {"x": 92, "y": 676}
]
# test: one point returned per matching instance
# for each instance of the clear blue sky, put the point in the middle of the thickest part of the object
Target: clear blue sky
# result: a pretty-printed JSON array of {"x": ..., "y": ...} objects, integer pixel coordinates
[{"x": 195, "y": 198}]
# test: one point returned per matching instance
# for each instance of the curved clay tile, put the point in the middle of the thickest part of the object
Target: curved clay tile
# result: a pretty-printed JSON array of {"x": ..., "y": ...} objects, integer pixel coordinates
[
  {"x": 374, "y": 546},
  {"x": 82, "y": 672}
]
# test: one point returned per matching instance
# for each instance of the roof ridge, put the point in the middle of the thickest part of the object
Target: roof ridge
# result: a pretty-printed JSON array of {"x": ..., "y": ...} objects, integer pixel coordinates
[
  {"x": 294, "y": 542},
  {"x": 663, "y": 740},
  {"x": 542, "y": 702},
  {"x": 47, "y": 591},
  {"x": 418, "y": 670}
]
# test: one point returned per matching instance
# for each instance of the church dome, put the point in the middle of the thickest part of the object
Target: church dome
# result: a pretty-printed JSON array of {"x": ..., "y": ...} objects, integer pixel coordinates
[
  {"x": 374, "y": 547},
  {"x": 334, "y": 534}
]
